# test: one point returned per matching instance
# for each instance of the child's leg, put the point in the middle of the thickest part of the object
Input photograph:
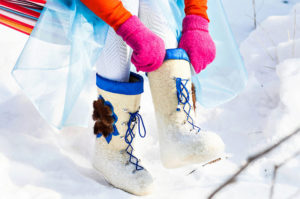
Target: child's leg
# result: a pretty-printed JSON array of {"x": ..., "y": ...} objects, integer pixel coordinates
[
  {"x": 114, "y": 61},
  {"x": 155, "y": 20},
  {"x": 181, "y": 141},
  {"x": 115, "y": 112}
]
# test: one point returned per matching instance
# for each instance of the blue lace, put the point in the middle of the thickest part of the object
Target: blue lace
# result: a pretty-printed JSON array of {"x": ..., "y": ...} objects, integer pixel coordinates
[
  {"x": 135, "y": 118},
  {"x": 183, "y": 98}
]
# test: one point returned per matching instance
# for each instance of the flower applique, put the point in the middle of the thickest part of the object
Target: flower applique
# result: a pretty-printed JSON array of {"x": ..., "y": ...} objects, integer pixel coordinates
[{"x": 105, "y": 119}]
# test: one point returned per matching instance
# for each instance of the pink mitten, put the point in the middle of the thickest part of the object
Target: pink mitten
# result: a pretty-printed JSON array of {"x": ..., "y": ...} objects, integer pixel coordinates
[
  {"x": 148, "y": 49},
  {"x": 197, "y": 42}
]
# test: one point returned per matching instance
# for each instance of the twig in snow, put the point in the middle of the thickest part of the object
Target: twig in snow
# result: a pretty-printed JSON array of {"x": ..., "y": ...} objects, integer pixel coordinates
[
  {"x": 294, "y": 36},
  {"x": 278, "y": 166},
  {"x": 270, "y": 67},
  {"x": 268, "y": 34},
  {"x": 208, "y": 163},
  {"x": 276, "y": 59},
  {"x": 250, "y": 160},
  {"x": 273, "y": 181},
  {"x": 254, "y": 13},
  {"x": 213, "y": 161}
]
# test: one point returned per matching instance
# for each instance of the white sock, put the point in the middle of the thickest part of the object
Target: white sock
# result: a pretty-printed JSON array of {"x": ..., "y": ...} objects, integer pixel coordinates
[
  {"x": 114, "y": 61},
  {"x": 151, "y": 15}
]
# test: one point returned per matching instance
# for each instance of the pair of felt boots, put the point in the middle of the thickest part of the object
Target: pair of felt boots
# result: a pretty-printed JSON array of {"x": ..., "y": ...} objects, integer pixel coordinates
[{"x": 116, "y": 113}]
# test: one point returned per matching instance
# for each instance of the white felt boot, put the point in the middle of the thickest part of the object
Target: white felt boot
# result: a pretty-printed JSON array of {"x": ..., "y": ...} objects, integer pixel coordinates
[
  {"x": 116, "y": 113},
  {"x": 181, "y": 141}
]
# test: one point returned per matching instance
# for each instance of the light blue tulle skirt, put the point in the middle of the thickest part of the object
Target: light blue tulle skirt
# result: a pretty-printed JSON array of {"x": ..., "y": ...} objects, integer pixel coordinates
[{"x": 56, "y": 64}]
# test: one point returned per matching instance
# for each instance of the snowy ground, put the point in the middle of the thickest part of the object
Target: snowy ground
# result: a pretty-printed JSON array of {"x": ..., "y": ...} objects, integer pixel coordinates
[{"x": 36, "y": 161}]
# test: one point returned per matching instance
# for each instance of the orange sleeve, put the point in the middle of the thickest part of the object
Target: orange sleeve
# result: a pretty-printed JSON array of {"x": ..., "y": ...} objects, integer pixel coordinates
[
  {"x": 196, "y": 7},
  {"x": 110, "y": 11}
]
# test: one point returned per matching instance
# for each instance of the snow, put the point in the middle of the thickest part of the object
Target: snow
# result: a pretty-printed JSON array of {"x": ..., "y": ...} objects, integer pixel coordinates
[
  {"x": 37, "y": 161},
  {"x": 240, "y": 14}
]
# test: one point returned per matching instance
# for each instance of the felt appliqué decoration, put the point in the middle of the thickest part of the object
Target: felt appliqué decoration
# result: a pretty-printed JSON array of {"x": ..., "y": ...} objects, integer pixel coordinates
[{"x": 105, "y": 119}]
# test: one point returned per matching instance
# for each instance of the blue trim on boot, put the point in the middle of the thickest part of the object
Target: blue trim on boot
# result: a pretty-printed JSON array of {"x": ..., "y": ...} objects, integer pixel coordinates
[
  {"x": 125, "y": 88},
  {"x": 177, "y": 53}
]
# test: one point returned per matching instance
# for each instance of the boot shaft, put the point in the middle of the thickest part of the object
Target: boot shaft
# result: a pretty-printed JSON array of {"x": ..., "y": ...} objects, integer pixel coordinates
[
  {"x": 124, "y": 98},
  {"x": 181, "y": 141},
  {"x": 165, "y": 85}
]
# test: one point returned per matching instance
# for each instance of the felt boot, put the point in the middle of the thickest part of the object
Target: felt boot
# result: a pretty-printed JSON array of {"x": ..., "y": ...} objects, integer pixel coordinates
[
  {"x": 182, "y": 142},
  {"x": 116, "y": 113}
]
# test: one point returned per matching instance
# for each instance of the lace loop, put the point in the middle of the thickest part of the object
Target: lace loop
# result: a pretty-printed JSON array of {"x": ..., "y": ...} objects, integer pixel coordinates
[
  {"x": 182, "y": 92},
  {"x": 183, "y": 98},
  {"x": 135, "y": 118}
]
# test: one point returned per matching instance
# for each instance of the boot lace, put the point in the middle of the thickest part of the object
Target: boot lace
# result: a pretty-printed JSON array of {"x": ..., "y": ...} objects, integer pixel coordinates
[
  {"x": 135, "y": 119},
  {"x": 183, "y": 98}
]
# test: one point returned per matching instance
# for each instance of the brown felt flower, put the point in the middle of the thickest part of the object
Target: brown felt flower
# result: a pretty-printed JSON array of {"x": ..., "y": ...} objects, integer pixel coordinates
[{"x": 103, "y": 117}]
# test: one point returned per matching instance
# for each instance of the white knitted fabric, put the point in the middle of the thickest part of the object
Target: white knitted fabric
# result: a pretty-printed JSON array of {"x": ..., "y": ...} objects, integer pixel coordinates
[
  {"x": 179, "y": 143},
  {"x": 111, "y": 159},
  {"x": 114, "y": 61},
  {"x": 153, "y": 18}
]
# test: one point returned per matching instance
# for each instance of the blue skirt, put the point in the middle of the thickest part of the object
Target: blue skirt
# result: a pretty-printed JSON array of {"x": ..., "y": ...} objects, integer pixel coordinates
[{"x": 55, "y": 68}]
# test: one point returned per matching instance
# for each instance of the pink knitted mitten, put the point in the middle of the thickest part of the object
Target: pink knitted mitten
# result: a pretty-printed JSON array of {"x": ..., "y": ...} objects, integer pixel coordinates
[
  {"x": 197, "y": 42},
  {"x": 148, "y": 49}
]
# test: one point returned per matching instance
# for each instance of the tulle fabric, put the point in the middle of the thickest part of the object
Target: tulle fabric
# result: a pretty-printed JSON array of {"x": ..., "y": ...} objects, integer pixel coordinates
[
  {"x": 55, "y": 68},
  {"x": 226, "y": 77}
]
